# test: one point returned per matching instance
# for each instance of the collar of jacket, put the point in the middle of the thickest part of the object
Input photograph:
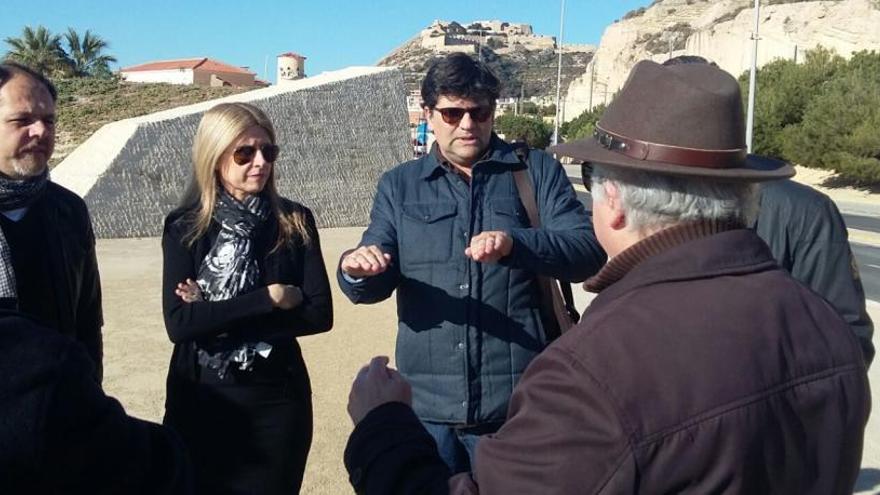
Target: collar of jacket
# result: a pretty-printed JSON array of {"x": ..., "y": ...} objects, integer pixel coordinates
[
  {"x": 653, "y": 245},
  {"x": 498, "y": 151}
]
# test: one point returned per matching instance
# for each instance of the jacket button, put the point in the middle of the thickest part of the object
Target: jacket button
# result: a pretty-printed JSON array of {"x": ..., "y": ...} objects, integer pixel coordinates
[
  {"x": 460, "y": 345},
  {"x": 464, "y": 286},
  {"x": 464, "y": 403}
]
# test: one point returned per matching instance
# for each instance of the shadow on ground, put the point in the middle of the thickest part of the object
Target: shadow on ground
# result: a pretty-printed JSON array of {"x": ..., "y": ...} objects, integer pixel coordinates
[{"x": 837, "y": 181}]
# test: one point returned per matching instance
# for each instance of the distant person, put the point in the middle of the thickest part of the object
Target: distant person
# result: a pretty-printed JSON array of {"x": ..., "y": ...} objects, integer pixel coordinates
[
  {"x": 59, "y": 433},
  {"x": 243, "y": 278},
  {"x": 808, "y": 237},
  {"x": 700, "y": 367},
  {"x": 448, "y": 232},
  {"x": 48, "y": 268}
]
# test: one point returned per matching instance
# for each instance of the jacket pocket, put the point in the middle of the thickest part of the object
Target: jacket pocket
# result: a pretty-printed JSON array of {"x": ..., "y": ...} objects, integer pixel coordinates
[
  {"x": 508, "y": 214},
  {"x": 426, "y": 232}
]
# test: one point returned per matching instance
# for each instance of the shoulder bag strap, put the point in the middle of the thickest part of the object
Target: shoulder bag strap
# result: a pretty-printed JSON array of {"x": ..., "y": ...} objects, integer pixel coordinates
[{"x": 556, "y": 304}]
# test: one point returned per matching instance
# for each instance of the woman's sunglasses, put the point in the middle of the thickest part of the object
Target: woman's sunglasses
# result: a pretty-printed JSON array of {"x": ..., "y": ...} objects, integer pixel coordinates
[
  {"x": 245, "y": 154},
  {"x": 453, "y": 115}
]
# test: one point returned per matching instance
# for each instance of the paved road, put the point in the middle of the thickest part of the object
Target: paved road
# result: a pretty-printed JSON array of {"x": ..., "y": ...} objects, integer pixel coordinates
[
  {"x": 868, "y": 259},
  {"x": 871, "y": 224}
]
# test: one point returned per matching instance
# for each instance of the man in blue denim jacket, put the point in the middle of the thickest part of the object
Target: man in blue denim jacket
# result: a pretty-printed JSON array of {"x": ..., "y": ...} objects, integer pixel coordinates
[{"x": 449, "y": 232}]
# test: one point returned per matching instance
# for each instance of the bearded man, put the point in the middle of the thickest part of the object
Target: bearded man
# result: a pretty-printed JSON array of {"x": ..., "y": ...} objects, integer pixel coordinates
[{"x": 48, "y": 268}]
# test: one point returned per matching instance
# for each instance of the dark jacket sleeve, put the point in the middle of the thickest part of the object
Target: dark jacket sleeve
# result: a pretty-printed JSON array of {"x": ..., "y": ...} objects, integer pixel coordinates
[
  {"x": 190, "y": 321},
  {"x": 315, "y": 314},
  {"x": 808, "y": 237},
  {"x": 565, "y": 246},
  {"x": 824, "y": 261},
  {"x": 390, "y": 451},
  {"x": 90, "y": 445},
  {"x": 89, "y": 315},
  {"x": 381, "y": 232}
]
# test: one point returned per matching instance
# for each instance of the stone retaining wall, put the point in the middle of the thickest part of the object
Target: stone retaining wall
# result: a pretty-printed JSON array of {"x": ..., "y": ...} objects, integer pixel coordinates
[{"x": 339, "y": 132}]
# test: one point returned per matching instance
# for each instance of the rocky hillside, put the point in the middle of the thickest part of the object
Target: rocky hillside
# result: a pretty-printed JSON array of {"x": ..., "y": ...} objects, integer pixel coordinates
[
  {"x": 530, "y": 71},
  {"x": 720, "y": 31}
]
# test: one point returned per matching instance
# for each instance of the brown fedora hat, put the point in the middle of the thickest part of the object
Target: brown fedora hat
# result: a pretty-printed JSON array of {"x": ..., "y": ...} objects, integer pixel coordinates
[{"x": 679, "y": 120}]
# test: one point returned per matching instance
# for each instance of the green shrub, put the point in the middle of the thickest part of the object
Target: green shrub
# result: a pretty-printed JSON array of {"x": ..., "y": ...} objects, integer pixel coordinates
[
  {"x": 524, "y": 128},
  {"x": 824, "y": 113},
  {"x": 582, "y": 125}
]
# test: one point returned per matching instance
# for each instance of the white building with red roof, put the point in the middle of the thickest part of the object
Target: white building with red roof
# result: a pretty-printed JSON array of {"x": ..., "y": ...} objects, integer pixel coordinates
[{"x": 199, "y": 71}]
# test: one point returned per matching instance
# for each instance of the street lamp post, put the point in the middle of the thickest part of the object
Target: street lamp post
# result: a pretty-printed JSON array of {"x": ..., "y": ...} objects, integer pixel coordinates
[
  {"x": 559, "y": 74},
  {"x": 750, "y": 115}
]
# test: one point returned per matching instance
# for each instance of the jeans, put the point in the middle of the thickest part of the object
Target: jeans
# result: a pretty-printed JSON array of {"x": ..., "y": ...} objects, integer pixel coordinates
[{"x": 457, "y": 444}]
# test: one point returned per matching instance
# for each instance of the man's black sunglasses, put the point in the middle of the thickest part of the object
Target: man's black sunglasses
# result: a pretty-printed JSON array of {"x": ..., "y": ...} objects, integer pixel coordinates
[
  {"x": 587, "y": 174},
  {"x": 453, "y": 115},
  {"x": 245, "y": 154}
]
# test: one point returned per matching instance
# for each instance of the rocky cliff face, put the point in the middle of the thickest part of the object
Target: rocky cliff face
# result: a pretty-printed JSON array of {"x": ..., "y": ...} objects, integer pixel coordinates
[{"x": 720, "y": 31}]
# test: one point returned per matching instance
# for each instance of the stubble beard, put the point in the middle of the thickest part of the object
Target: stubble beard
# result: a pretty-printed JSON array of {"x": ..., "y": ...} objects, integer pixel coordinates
[{"x": 28, "y": 166}]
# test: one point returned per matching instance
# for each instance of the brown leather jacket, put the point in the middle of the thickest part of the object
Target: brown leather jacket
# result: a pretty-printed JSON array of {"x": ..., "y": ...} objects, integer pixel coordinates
[{"x": 702, "y": 367}]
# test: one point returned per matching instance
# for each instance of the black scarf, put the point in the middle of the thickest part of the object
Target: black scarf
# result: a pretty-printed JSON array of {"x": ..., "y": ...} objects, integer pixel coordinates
[
  {"x": 15, "y": 194},
  {"x": 229, "y": 268}
]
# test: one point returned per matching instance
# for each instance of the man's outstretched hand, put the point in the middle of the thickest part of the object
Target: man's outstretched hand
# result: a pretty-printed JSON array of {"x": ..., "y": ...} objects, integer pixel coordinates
[
  {"x": 376, "y": 384},
  {"x": 365, "y": 261}
]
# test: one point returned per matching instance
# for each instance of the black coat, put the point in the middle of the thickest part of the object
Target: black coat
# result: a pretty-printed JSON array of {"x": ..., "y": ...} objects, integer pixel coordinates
[
  {"x": 249, "y": 431},
  {"x": 251, "y": 314},
  {"x": 59, "y": 433},
  {"x": 70, "y": 250}
]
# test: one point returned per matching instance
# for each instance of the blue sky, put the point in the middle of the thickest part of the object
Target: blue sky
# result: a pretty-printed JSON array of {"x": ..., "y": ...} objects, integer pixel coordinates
[{"x": 332, "y": 34}]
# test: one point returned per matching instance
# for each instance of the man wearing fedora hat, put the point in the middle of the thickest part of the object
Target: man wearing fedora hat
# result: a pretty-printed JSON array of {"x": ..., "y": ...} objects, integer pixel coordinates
[
  {"x": 701, "y": 366},
  {"x": 807, "y": 236}
]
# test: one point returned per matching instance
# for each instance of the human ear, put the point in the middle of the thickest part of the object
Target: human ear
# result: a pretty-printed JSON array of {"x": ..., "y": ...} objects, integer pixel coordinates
[{"x": 617, "y": 217}]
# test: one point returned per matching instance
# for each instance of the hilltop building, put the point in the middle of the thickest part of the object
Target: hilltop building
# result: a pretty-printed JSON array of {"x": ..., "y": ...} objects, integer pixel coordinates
[
  {"x": 198, "y": 71},
  {"x": 501, "y": 36}
]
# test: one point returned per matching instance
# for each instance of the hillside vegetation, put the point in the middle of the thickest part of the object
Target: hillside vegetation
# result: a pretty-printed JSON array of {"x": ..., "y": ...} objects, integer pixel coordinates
[{"x": 87, "y": 103}]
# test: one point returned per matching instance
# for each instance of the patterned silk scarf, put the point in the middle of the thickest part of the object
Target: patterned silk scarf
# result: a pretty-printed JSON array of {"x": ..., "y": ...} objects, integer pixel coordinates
[
  {"x": 15, "y": 194},
  {"x": 230, "y": 269}
]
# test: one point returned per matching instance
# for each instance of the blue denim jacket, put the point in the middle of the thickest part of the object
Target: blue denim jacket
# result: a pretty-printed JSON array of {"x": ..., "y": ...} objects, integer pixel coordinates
[{"x": 468, "y": 330}]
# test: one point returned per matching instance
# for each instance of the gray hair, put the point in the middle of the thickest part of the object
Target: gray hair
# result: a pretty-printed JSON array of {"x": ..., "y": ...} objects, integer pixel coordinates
[{"x": 656, "y": 201}]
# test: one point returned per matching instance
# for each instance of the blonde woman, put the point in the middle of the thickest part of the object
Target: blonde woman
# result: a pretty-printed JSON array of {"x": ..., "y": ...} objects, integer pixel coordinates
[{"x": 243, "y": 277}]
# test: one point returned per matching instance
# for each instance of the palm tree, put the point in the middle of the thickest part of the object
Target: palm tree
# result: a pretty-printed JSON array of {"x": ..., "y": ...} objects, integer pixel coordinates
[
  {"x": 85, "y": 54},
  {"x": 39, "y": 49}
]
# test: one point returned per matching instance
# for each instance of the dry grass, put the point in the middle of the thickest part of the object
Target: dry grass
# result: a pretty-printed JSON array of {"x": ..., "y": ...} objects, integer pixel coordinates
[{"x": 86, "y": 104}]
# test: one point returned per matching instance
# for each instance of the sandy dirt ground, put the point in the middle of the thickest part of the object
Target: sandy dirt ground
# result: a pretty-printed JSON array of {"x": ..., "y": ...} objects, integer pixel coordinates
[
  {"x": 137, "y": 349},
  {"x": 819, "y": 179}
]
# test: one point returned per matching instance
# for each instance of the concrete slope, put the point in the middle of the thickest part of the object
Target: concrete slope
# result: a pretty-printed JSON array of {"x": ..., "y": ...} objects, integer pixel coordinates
[{"x": 339, "y": 131}]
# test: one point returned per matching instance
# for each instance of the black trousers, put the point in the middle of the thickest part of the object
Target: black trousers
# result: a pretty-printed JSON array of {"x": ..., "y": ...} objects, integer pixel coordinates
[{"x": 248, "y": 433}]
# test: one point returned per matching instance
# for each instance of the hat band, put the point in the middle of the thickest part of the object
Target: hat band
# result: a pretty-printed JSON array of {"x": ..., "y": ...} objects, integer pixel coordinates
[{"x": 690, "y": 157}]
